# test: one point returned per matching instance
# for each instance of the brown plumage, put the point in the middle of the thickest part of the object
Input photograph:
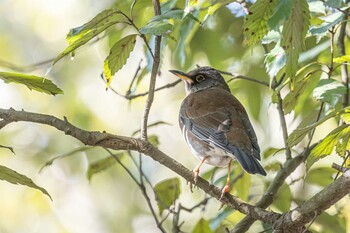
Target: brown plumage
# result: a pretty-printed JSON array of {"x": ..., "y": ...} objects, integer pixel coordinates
[{"x": 215, "y": 125}]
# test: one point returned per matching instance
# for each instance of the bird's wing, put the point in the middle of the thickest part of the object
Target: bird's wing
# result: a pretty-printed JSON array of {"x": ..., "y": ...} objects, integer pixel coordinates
[{"x": 222, "y": 124}]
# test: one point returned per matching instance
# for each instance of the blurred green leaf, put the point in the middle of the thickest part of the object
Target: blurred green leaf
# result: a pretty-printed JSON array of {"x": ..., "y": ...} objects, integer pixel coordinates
[
  {"x": 326, "y": 146},
  {"x": 321, "y": 176},
  {"x": 342, "y": 59},
  {"x": 242, "y": 185},
  {"x": 167, "y": 191},
  {"x": 334, "y": 3},
  {"x": 159, "y": 28},
  {"x": 118, "y": 56},
  {"x": 275, "y": 166},
  {"x": 202, "y": 226},
  {"x": 329, "y": 21},
  {"x": 317, "y": 7},
  {"x": 101, "y": 165},
  {"x": 302, "y": 87},
  {"x": 297, "y": 135},
  {"x": 275, "y": 60},
  {"x": 81, "y": 35},
  {"x": 281, "y": 12},
  {"x": 330, "y": 223},
  {"x": 271, "y": 151},
  {"x": 33, "y": 82},
  {"x": 255, "y": 26},
  {"x": 79, "y": 149},
  {"x": 293, "y": 34},
  {"x": 14, "y": 177},
  {"x": 329, "y": 90},
  {"x": 153, "y": 139},
  {"x": 283, "y": 199}
]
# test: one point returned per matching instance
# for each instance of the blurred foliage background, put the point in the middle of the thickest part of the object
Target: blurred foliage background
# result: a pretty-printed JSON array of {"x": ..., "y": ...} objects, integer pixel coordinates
[{"x": 33, "y": 34}]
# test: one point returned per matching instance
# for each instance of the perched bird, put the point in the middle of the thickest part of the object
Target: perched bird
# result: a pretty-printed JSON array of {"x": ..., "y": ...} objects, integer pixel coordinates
[{"x": 215, "y": 125}]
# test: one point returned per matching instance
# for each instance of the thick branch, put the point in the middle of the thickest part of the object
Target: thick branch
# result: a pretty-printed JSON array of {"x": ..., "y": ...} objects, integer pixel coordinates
[
  {"x": 293, "y": 220},
  {"x": 115, "y": 142},
  {"x": 271, "y": 192}
]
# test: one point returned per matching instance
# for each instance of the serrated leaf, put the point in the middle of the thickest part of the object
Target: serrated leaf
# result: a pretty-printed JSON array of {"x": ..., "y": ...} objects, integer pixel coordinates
[
  {"x": 344, "y": 143},
  {"x": 321, "y": 176},
  {"x": 326, "y": 146},
  {"x": 166, "y": 192},
  {"x": 342, "y": 59},
  {"x": 14, "y": 177},
  {"x": 329, "y": 91},
  {"x": 33, "y": 82},
  {"x": 283, "y": 199},
  {"x": 281, "y": 12},
  {"x": 202, "y": 226},
  {"x": 306, "y": 83},
  {"x": 255, "y": 26},
  {"x": 81, "y": 35},
  {"x": 158, "y": 28},
  {"x": 118, "y": 56},
  {"x": 275, "y": 60},
  {"x": 101, "y": 165},
  {"x": 329, "y": 21},
  {"x": 298, "y": 134},
  {"x": 65, "y": 155},
  {"x": 293, "y": 34}
]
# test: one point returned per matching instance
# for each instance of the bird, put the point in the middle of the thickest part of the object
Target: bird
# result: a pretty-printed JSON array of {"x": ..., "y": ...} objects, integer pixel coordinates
[{"x": 215, "y": 125}]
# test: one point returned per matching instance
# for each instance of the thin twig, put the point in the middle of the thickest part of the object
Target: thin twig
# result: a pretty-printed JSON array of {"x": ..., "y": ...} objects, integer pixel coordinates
[
  {"x": 134, "y": 78},
  {"x": 344, "y": 67},
  {"x": 283, "y": 125},
  {"x": 239, "y": 76},
  {"x": 9, "y": 148},
  {"x": 154, "y": 72}
]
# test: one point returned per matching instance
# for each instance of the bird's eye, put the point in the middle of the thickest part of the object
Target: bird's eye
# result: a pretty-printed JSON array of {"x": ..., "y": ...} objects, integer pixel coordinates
[{"x": 200, "y": 78}]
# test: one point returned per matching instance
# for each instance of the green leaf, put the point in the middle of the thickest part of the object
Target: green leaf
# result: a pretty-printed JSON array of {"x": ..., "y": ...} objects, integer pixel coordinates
[
  {"x": 342, "y": 59},
  {"x": 202, "y": 226},
  {"x": 255, "y": 26},
  {"x": 153, "y": 139},
  {"x": 283, "y": 199},
  {"x": 297, "y": 135},
  {"x": 159, "y": 28},
  {"x": 317, "y": 7},
  {"x": 281, "y": 12},
  {"x": 321, "y": 176},
  {"x": 79, "y": 149},
  {"x": 275, "y": 166},
  {"x": 101, "y": 165},
  {"x": 271, "y": 151},
  {"x": 334, "y": 3},
  {"x": 118, "y": 56},
  {"x": 329, "y": 91},
  {"x": 242, "y": 185},
  {"x": 329, "y": 21},
  {"x": 275, "y": 60},
  {"x": 326, "y": 146},
  {"x": 166, "y": 192},
  {"x": 332, "y": 223},
  {"x": 81, "y": 35},
  {"x": 33, "y": 82},
  {"x": 302, "y": 87},
  {"x": 14, "y": 177},
  {"x": 172, "y": 14},
  {"x": 293, "y": 34}
]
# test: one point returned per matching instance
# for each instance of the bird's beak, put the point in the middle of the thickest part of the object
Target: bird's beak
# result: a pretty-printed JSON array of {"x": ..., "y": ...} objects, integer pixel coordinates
[{"x": 182, "y": 75}]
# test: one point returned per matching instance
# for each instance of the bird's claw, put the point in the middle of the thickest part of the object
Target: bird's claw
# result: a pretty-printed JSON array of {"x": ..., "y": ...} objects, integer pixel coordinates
[{"x": 195, "y": 178}]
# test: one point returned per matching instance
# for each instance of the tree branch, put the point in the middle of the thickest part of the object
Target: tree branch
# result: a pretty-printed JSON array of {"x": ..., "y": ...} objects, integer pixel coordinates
[
  {"x": 266, "y": 200},
  {"x": 154, "y": 72},
  {"x": 116, "y": 142}
]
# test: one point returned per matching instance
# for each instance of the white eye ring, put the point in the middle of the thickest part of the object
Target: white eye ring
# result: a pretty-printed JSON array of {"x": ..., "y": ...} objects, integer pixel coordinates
[{"x": 200, "y": 78}]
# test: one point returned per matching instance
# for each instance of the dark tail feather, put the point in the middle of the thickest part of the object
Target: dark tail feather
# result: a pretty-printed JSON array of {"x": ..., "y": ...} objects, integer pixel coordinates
[{"x": 248, "y": 162}]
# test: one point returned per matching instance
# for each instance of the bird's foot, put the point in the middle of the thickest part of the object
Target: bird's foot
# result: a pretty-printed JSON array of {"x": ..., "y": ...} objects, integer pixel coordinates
[
  {"x": 225, "y": 190},
  {"x": 195, "y": 178}
]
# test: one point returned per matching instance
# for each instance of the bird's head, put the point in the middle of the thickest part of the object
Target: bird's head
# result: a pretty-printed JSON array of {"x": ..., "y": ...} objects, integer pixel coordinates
[{"x": 201, "y": 78}]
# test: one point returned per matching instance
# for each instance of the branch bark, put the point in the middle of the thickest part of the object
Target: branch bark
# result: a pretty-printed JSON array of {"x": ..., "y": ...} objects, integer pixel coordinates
[
  {"x": 154, "y": 72},
  {"x": 116, "y": 142}
]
